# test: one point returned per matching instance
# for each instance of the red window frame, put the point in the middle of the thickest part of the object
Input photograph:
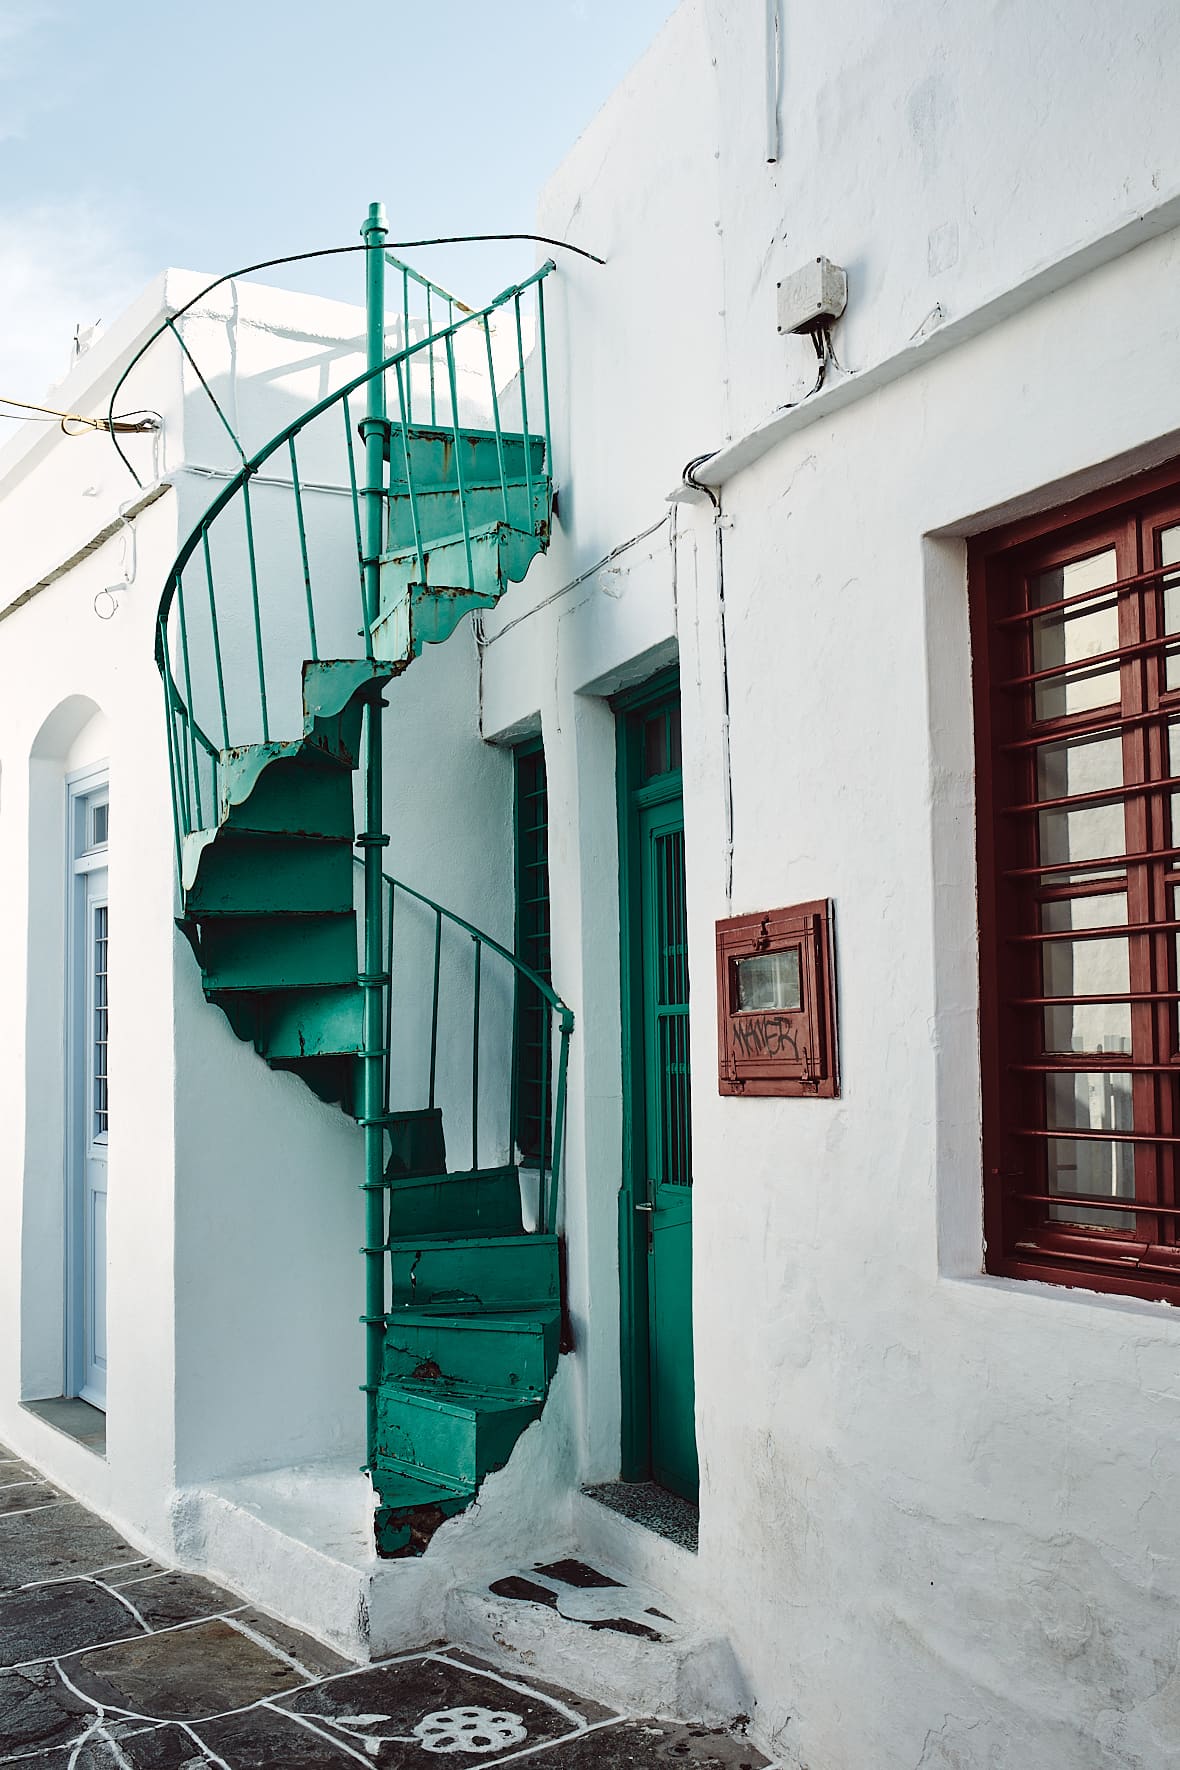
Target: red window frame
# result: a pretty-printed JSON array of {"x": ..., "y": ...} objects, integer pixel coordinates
[{"x": 1026, "y": 1226}]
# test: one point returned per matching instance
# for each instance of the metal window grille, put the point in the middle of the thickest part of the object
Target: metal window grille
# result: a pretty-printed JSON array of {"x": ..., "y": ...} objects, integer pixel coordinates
[
  {"x": 1077, "y": 646},
  {"x": 99, "y": 1095},
  {"x": 671, "y": 1013},
  {"x": 532, "y": 1021}
]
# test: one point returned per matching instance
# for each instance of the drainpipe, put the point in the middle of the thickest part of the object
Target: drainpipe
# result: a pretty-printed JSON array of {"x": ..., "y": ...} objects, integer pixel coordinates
[{"x": 374, "y": 430}]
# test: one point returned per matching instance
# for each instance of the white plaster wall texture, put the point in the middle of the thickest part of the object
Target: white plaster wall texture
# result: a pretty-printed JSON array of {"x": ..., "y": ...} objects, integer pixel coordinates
[
  {"x": 936, "y": 1508},
  {"x": 56, "y": 654}
]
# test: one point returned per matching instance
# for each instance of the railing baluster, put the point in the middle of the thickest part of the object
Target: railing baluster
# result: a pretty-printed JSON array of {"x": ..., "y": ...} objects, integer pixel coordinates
[
  {"x": 303, "y": 548},
  {"x": 524, "y": 413},
  {"x": 188, "y": 696},
  {"x": 434, "y": 1002},
  {"x": 544, "y": 375},
  {"x": 170, "y": 732},
  {"x": 475, "y": 1057},
  {"x": 356, "y": 523},
  {"x": 403, "y": 407},
  {"x": 184, "y": 746},
  {"x": 216, "y": 638},
  {"x": 543, "y": 1112},
  {"x": 389, "y": 994},
  {"x": 406, "y": 335},
  {"x": 559, "y": 1120},
  {"x": 246, "y": 510},
  {"x": 487, "y": 334},
  {"x": 463, "y": 511},
  {"x": 430, "y": 335}
]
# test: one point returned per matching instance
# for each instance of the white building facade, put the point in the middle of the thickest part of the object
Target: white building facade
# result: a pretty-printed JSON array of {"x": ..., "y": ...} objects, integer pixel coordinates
[{"x": 931, "y": 1388}]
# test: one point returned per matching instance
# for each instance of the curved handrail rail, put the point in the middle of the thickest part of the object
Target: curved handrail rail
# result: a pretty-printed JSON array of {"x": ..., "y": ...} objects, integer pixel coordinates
[
  {"x": 387, "y": 246},
  {"x": 259, "y": 459},
  {"x": 186, "y": 733},
  {"x": 560, "y": 1018},
  {"x": 544, "y": 989}
]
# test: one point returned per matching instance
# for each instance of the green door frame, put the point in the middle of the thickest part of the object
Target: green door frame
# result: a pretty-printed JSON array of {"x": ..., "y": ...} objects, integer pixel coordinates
[{"x": 635, "y": 1447}]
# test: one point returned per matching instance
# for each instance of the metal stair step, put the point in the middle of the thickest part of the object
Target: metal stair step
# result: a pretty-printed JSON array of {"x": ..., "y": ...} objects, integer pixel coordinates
[
  {"x": 455, "y": 1440},
  {"x": 311, "y": 1022},
  {"x": 417, "y": 1145},
  {"x": 438, "y": 514},
  {"x": 484, "y": 1272},
  {"x": 267, "y": 875},
  {"x": 446, "y": 550},
  {"x": 260, "y": 953},
  {"x": 481, "y": 1201},
  {"x": 432, "y": 454},
  {"x": 505, "y": 1354},
  {"x": 304, "y": 793},
  {"x": 407, "y": 1497},
  {"x": 414, "y": 614},
  {"x": 334, "y": 694}
]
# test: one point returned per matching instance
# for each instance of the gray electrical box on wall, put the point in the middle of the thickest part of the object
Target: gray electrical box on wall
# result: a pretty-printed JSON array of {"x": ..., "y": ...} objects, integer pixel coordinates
[{"x": 812, "y": 296}]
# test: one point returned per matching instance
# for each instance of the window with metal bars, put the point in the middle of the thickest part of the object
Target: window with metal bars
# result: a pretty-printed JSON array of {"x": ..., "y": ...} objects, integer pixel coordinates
[
  {"x": 1076, "y": 648},
  {"x": 532, "y": 1021}
]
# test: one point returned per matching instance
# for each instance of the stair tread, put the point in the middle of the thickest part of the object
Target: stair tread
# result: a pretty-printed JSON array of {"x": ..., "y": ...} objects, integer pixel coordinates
[
  {"x": 513, "y": 1320},
  {"x": 401, "y": 1243},
  {"x": 492, "y": 483},
  {"x": 478, "y": 532},
  {"x": 404, "y": 1486},
  {"x": 446, "y": 433},
  {"x": 400, "y": 1182},
  {"x": 464, "y": 1402}
]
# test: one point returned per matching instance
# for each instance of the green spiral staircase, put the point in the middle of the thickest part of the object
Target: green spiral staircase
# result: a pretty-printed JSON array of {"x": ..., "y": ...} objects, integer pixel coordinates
[{"x": 284, "y": 899}]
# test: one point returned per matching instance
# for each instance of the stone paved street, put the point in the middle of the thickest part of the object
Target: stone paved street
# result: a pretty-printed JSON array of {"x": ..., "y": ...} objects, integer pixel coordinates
[{"x": 110, "y": 1662}]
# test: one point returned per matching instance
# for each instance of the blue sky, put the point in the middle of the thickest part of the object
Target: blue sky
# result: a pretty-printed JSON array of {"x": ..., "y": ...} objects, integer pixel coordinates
[{"x": 137, "y": 135}]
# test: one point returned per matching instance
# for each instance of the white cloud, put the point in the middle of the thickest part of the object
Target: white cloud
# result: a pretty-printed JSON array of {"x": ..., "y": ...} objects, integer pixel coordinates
[{"x": 60, "y": 266}]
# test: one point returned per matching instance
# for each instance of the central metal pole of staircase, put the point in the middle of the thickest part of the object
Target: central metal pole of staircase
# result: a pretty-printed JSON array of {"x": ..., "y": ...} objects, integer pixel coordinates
[{"x": 374, "y": 429}]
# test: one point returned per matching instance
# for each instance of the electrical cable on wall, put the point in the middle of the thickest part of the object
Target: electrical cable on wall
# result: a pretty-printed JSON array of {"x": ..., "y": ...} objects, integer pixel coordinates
[
  {"x": 690, "y": 479},
  {"x": 130, "y": 423},
  {"x": 821, "y": 338}
]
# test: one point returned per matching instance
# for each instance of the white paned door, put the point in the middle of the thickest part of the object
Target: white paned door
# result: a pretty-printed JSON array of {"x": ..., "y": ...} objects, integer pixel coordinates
[
  {"x": 95, "y": 1130},
  {"x": 89, "y": 1097}
]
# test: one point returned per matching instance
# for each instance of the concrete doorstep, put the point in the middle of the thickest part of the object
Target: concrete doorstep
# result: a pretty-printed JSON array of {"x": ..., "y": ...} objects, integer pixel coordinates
[{"x": 109, "y": 1661}]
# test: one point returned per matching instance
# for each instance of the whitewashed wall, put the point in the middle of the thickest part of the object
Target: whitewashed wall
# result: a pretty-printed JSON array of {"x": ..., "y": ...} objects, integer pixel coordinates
[
  {"x": 938, "y": 1510},
  {"x": 77, "y": 689}
]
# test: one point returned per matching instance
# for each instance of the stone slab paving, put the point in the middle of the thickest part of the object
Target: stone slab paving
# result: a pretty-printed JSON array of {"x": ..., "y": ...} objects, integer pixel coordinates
[{"x": 110, "y": 1662}]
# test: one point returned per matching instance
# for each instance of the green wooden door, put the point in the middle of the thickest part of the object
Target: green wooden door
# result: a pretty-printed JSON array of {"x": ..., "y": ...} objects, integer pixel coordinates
[
  {"x": 668, "y": 1140},
  {"x": 657, "y": 1194}
]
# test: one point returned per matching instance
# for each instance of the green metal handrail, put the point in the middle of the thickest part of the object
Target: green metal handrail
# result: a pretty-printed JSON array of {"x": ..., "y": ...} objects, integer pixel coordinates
[
  {"x": 194, "y": 754},
  {"x": 559, "y": 1022}
]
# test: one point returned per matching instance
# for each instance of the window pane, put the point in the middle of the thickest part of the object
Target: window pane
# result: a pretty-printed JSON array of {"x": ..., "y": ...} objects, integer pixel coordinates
[
  {"x": 1084, "y": 832},
  {"x": 1169, "y": 540},
  {"x": 1174, "y": 769},
  {"x": 1086, "y": 967},
  {"x": 1088, "y": 1026},
  {"x": 1093, "y": 1101},
  {"x": 1066, "y": 638},
  {"x": 1105, "y": 910},
  {"x": 770, "y": 981}
]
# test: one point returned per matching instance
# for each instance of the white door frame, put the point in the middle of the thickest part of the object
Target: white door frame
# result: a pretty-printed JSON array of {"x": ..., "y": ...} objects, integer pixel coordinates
[{"x": 86, "y": 1105}]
